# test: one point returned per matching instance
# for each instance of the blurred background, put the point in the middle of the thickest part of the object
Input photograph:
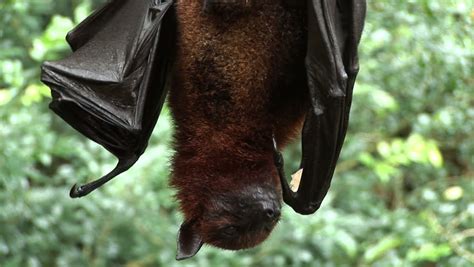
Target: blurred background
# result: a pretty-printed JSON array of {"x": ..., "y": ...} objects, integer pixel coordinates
[{"x": 402, "y": 195}]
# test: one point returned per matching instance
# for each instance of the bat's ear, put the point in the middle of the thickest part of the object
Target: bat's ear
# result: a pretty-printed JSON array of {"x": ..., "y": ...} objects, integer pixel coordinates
[{"x": 189, "y": 240}]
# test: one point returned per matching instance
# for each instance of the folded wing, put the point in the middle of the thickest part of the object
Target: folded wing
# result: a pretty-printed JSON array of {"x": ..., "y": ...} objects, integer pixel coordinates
[
  {"x": 112, "y": 87},
  {"x": 334, "y": 32}
]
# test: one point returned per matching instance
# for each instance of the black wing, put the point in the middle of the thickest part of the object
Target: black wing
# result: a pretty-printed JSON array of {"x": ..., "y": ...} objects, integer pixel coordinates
[
  {"x": 334, "y": 31},
  {"x": 112, "y": 87}
]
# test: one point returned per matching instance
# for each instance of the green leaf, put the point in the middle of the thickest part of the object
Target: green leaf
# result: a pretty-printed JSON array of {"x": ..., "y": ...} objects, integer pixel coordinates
[
  {"x": 453, "y": 193},
  {"x": 434, "y": 156},
  {"x": 380, "y": 248},
  {"x": 347, "y": 242},
  {"x": 52, "y": 41},
  {"x": 429, "y": 252},
  {"x": 35, "y": 93},
  {"x": 384, "y": 149},
  {"x": 82, "y": 11},
  {"x": 5, "y": 96}
]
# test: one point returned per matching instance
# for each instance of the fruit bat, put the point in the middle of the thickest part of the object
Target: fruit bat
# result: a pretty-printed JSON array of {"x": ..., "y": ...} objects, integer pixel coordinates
[{"x": 244, "y": 78}]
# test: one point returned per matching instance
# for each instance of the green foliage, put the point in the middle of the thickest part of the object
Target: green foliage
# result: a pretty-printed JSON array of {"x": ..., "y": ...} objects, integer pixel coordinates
[{"x": 402, "y": 194}]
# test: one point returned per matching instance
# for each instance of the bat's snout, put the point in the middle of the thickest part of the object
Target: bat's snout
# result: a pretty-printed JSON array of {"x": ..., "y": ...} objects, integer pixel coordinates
[
  {"x": 268, "y": 204},
  {"x": 271, "y": 210}
]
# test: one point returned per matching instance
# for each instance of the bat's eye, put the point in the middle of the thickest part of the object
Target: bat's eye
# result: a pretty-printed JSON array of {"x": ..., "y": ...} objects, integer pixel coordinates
[{"x": 230, "y": 231}]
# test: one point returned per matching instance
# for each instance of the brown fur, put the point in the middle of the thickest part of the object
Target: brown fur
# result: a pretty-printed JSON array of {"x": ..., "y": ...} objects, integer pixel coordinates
[{"x": 239, "y": 77}]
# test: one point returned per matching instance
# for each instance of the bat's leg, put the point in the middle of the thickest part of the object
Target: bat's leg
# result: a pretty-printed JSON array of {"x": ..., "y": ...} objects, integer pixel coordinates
[{"x": 83, "y": 190}]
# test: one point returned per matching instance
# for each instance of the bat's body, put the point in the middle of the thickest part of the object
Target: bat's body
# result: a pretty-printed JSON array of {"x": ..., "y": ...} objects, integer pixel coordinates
[
  {"x": 238, "y": 70},
  {"x": 239, "y": 78}
]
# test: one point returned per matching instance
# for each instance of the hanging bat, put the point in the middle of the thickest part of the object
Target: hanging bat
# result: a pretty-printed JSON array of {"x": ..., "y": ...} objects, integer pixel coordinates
[{"x": 245, "y": 76}]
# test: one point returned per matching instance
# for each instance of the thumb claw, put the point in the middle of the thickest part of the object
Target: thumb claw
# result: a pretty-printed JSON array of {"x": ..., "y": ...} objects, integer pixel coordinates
[{"x": 76, "y": 191}]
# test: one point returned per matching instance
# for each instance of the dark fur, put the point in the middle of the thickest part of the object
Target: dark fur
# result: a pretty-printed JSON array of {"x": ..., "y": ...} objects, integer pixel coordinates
[{"x": 239, "y": 77}]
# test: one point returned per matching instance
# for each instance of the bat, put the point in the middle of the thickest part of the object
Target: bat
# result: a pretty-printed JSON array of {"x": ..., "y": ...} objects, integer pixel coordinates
[{"x": 245, "y": 76}]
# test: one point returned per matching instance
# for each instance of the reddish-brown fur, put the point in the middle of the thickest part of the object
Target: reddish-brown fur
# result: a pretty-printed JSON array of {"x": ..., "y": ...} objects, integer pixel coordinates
[{"x": 238, "y": 78}]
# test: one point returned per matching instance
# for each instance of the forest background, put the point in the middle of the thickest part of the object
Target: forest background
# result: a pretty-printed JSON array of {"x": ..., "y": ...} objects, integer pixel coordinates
[{"x": 402, "y": 194}]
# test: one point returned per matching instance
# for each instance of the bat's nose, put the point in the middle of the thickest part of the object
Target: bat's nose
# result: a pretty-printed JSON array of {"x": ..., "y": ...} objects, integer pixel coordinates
[
  {"x": 270, "y": 209},
  {"x": 272, "y": 213},
  {"x": 265, "y": 203}
]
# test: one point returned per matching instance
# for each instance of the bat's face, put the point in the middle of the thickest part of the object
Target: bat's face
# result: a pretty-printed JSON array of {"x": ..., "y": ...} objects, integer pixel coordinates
[
  {"x": 241, "y": 219},
  {"x": 232, "y": 220}
]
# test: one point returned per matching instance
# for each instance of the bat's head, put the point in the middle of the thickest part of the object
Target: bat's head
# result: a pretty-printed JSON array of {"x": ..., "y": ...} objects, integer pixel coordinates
[{"x": 232, "y": 220}]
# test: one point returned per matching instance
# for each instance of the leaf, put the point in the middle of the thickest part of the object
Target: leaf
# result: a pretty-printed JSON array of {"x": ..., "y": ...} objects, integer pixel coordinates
[
  {"x": 384, "y": 148},
  {"x": 381, "y": 247},
  {"x": 347, "y": 242},
  {"x": 453, "y": 193},
  {"x": 34, "y": 93},
  {"x": 5, "y": 96},
  {"x": 429, "y": 252},
  {"x": 434, "y": 156},
  {"x": 52, "y": 40},
  {"x": 82, "y": 11}
]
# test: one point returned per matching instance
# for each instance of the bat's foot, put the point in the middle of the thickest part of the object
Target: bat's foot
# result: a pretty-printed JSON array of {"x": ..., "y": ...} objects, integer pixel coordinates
[
  {"x": 277, "y": 156},
  {"x": 278, "y": 160}
]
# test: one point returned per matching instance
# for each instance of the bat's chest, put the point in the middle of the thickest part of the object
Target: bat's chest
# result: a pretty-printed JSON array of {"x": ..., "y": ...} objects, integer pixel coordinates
[{"x": 231, "y": 59}]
